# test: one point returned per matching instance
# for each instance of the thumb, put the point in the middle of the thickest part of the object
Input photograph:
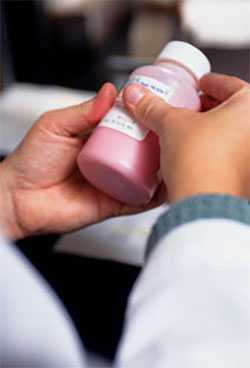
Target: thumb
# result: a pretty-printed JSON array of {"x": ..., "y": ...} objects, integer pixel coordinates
[
  {"x": 150, "y": 110},
  {"x": 74, "y": 120}
]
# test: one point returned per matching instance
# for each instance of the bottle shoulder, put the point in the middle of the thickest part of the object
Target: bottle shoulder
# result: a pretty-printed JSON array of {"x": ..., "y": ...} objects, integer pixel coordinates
[
  {"x": 166, "y": 75},
  {"x": 151, "y": 69}
]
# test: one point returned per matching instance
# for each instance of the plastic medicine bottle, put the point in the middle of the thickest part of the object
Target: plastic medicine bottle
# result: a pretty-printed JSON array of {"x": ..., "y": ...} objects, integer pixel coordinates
[{"x": 121, "y": 158}]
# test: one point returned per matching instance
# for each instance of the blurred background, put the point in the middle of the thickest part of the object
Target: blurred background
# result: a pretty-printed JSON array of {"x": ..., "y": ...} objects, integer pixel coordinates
[
  {"x": 73, "y": 46},
  {"x": 81, "y": 43},
  {"x": 55, "y": 53}
]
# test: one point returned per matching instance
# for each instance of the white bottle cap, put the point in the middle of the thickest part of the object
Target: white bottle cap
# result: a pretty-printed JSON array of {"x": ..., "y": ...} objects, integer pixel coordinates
[{"x": 187, "y": 55}]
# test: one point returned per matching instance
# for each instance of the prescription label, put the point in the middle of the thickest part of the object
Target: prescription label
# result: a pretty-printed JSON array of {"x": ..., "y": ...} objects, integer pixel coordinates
[{"x": 119, "y": 119}]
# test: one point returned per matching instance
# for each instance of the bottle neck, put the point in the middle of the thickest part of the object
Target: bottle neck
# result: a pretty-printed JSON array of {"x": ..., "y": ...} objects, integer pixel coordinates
[{"x": 179, "y": 70}]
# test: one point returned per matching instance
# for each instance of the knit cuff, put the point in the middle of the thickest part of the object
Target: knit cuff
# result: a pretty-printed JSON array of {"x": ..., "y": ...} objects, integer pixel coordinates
[{"x": 196, "y": 208}]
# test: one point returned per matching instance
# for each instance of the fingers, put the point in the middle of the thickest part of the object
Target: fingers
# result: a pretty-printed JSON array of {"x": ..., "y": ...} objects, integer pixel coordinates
[
  {"x": 75, "y": 120},
  {"x": 221, "y": 87},
  {"x": 148, "y": 109}
]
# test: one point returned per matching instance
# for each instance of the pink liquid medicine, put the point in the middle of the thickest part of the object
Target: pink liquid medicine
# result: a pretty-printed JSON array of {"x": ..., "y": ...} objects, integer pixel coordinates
[{"x": 121, "y": 158}]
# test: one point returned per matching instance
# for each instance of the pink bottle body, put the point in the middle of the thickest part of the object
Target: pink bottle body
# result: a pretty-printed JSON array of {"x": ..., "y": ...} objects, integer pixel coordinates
[{"x": 126, "y": 168}]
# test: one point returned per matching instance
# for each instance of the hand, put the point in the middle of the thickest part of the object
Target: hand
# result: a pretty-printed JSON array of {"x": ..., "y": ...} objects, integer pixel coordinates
[
  {"x": 206, "y": 152},
  {"x": 41, "y": 189}
]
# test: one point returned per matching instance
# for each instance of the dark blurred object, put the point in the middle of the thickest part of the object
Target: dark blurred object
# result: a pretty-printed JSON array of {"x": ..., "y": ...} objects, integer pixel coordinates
[
  {"x": 154, "y": 24},
  {"x": 230, "y": 61},
  {"x": 6, "y": 72},
  {"x": 50, "y": 48},
  {"x": 75, "y": 60},
  {"x": 30, "y": 43},
  {"x": 46, "y": 51}
]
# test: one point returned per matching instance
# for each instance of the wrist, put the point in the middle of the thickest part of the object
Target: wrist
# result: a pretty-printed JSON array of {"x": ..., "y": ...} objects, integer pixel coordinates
[
  {"x": 8, "y": 220},
  {"x": 193, "y": 188}
]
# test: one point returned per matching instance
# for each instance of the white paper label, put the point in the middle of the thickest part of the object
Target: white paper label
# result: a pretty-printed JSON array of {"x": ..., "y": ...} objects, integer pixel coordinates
[{"x": 117, "y": 118}]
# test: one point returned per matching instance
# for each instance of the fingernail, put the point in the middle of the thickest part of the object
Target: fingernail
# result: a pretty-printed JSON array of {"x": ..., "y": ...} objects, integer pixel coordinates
[{"x": 133, "y": 94}]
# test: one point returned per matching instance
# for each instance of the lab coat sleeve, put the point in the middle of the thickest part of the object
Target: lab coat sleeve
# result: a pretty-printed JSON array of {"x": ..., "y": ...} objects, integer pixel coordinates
[
  {"x": 191, "y": 304},
  {"x": 35, "y": 329}
]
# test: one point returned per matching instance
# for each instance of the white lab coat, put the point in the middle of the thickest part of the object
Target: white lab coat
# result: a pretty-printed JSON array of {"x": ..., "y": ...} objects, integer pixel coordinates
[{"x": 189, "y": 308}]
